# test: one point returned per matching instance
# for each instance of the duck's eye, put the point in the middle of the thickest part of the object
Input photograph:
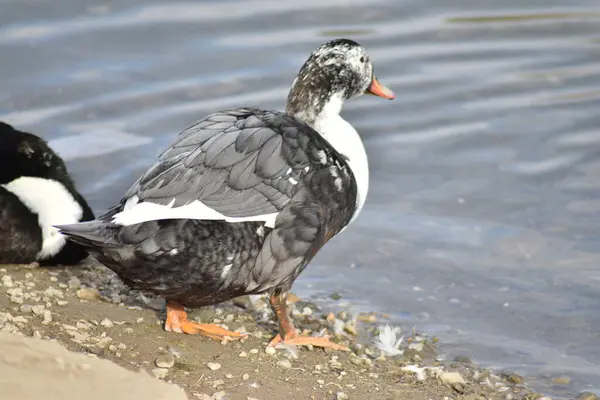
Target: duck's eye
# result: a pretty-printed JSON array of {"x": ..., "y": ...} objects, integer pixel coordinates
[{"x": 362, "y": 59}]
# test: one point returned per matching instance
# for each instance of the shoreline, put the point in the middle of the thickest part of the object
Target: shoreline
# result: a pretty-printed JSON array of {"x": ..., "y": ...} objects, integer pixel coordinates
[{"x": 88, "y": 310}]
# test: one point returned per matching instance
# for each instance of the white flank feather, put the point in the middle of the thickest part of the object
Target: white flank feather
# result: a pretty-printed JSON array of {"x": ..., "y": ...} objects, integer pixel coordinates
[{"x": 135, "y": 212}]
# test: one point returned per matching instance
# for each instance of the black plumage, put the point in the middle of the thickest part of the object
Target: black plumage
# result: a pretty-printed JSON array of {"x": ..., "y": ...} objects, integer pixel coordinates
[
  {"x": 183, "y": 259},
  {"x": 23, "y": 154}
]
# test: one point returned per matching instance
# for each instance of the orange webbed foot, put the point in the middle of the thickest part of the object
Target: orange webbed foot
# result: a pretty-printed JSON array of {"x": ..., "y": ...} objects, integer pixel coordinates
[
  {"x": 317, "y": 341},
  {"x": 177, "y": 322}
]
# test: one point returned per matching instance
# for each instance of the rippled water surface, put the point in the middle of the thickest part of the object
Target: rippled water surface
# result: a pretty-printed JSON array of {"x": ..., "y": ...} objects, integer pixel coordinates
[{"x": 482, "y": 222}]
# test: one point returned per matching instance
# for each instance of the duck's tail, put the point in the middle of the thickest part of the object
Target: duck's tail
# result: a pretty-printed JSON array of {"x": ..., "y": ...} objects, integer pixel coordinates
[{"x": 95, "y": 233}]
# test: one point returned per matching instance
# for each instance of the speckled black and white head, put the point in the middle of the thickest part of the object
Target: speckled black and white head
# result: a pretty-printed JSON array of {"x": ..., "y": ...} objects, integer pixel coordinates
[{"x": 336, "y": 71}]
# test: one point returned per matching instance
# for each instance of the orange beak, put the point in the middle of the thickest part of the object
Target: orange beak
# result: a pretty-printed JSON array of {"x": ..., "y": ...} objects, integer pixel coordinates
[{"x": 377, "y": 89}]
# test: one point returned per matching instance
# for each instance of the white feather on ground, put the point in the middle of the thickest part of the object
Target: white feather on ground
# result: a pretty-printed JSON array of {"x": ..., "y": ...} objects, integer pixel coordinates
[{"x": 387, "y": 343}]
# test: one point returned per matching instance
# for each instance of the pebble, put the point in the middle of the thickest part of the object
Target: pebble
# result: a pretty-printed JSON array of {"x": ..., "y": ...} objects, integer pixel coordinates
[
  {"x": 52, "y": 292},
  {"x": 38, "y": 309},
  {"x": 307, "y": 311},
  {"x": 228, "y": 376},
  {"x": 218, "y": 395},
  {"x": 245, "y": 377},
  {"x": 320, "y": 381},
  {"x": 26, "y": 308},
  {"x": 88, "y": 294},
  {"x": 587, "y": 396},
  {"x": 243, "y": 354},
  {"x": 451, "y": 377},
  {"x": 83, "y": 325},
  {"x": 16, "y": 299},
  {"x": 341, "y": 396},
  {"x": 416, "y": 346},
  {"x": 270, "y": 350},
  {"x": 47, "y": 317},
  {"x": 62, "y": 302},
  {"x": 165, "y": 361},
  {"x": 253, "y": 351},
  {"x": 7, "y": 281},
  {"x": 367, "y": 318},
  {"x": 160, "y": 373},
  {"x": 107, "y": 323},
  {"x": 563, "y": 380},
  {"x": 74, "y": 283},
  {"x": 213, "y": 366},
  {"x": 285, "y": 364}
]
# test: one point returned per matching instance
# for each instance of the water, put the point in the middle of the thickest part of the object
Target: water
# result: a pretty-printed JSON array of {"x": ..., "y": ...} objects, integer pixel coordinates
[{"x": 482, "y": 222}]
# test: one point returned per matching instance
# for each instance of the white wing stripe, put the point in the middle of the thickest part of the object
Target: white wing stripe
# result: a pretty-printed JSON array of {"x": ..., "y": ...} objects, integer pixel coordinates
[{"x": 135, "y": 213}]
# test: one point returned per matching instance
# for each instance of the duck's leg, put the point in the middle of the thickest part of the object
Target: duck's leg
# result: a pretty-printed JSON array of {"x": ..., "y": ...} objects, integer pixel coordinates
[
  {"x": 287, "y": 332},
  {"x": 177, "y": 322}
]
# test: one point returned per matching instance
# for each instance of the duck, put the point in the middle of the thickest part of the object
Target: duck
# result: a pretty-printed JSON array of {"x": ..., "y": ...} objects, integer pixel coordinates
[
  {"x": 36, "y": 192},
  {"x": 242, "y": 200}
]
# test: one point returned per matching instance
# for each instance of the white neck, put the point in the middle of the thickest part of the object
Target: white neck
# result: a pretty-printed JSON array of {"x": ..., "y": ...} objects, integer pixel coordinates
[{"x": 344, "y": 138}]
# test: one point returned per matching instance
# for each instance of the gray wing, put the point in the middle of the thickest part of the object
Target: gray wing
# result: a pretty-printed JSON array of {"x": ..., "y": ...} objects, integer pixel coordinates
[{"x": 241, "y": 163}]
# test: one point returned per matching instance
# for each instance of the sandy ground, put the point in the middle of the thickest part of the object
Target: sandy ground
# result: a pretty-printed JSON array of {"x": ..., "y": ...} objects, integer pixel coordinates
[{"x": 88, "y": 310}]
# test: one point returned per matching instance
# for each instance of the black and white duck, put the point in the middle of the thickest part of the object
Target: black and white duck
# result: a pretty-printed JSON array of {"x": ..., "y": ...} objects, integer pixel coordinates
[
  {"x": 242, "y": 200},
  {"x": 36, "y": 192}
]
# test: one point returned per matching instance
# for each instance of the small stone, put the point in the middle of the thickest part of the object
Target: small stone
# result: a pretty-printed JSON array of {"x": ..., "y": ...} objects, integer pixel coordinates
[
  {"x": 7, "y": 281},
  {"x": 253, "y": 351},
  {"x": 320, "y": 381},
  {"x": 128, "y": 331},
  {"x": 74, "y": 283},
  {"x": 122, "y": 346},
  {"x": 514, "y": 379},
  {"x": 16, "y": 299},
  {"x": 53, "y": 293},
  {"x": 26, "y": 308},
  {"x": 451, "y": 377},
  {"x": 88, "y": 294},
  {"x": 307, "y": 311},
  {"x": 83, "y": 325},
  {"x": 53, "y": 279},
  {"x": 563, "y": 380},
  {"x": 218, "y": 382},
  {"x": 228, "y": 376},
  {"x": 218, "y": 395},
  {"x": 139, "y": 320},
  {"x": 213, "y": 366},
  {"x": 245, "y": 377},
  {"x": 416, "y": 346},
  {"x": 229, "y": 318},
  {"x": 341, "y": 396},
  {"x": 165, "y": 361},
  {"x": 587, "y": 396},
  {"x": 243, "y": 354},
  {"x": 160, "y": 373},
  {"x": 285, "y": 364},
  {"x": 38, "y": 309},
  {"x": 270, "y": 350},
  {"x": 330, "y": 318},
  {"x": 107, "y": 323},
  {"x": 62, "y": 302},
  {"x": 251, "y": 398},
  {"x": 367, "y": 318},
  {"x": 47, "y": 315}
]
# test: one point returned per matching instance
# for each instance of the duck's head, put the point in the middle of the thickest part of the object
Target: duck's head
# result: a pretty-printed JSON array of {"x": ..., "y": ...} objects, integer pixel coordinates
[{"x": 336, "y": 71}]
